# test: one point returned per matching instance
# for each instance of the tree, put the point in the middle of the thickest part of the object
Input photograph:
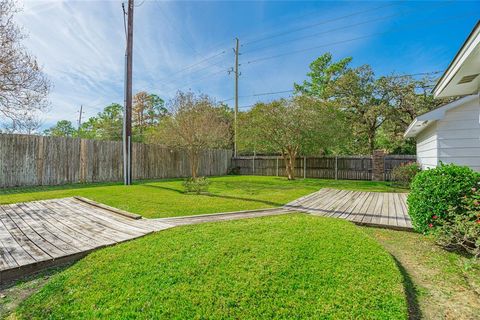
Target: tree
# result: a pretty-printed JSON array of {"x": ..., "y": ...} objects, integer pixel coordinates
[
  {"x": 148, "y": 110},
  {"x": 323, "y": 72},
  {"x": 302, "y": 125},
  {"x": 107, "y": 125},
  {"x": 358, "y": 95},
  {"x": 23, "y": 85},
  {"x": 407, "y": 98},
  {"x": 194, "y": 123},
  {"x": 63, "y": 128}
]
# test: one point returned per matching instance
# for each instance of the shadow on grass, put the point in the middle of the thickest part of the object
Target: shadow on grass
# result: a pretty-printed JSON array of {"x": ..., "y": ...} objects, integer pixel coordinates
[
  {"x": 163, "y": 188},
  {"x": 414, "y": 312},
  {"x": 270, "y": 203}
]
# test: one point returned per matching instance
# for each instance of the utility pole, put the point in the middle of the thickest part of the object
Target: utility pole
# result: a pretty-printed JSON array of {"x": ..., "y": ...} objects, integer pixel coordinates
[
  {"x": 80, "y": 117},
  {"x": 127, "y": 121},
  {"x": 237, "y": 42}
]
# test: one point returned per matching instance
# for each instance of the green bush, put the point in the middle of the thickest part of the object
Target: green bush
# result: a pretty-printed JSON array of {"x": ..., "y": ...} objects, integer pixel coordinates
[
  {"x": 403, "y": 174},
  {"x": 437, "y": 195},
  {"x": 463, "y": 232},
  {"x": 196, "y": 185}
]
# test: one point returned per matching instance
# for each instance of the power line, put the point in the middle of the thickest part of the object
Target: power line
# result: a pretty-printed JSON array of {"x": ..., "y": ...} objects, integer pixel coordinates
[
  {"x": 195, "y": 64},
  {"x": 292, "y": 90},
  {"x": 345, "y": 27},
  {"x": 259, "y": 95},
  {"x": 201, "y": 78},
  {"x": 348, "y": 40},
  {"x": 317, "y": 24}
]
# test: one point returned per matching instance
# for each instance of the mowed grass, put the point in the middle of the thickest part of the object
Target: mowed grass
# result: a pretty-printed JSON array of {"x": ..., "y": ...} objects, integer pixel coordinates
[
  {"x": 165, "y": 198},
  {"x": 283, "y": 267},
  {"x": 440, "y": 284}
]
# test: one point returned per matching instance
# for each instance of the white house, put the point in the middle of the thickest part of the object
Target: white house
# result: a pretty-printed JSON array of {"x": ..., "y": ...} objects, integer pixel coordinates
[{"x": 451, "y": 133}]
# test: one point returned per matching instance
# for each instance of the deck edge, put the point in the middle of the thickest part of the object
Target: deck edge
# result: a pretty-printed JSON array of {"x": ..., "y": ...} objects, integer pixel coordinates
[{"x": 109, "y": 208}]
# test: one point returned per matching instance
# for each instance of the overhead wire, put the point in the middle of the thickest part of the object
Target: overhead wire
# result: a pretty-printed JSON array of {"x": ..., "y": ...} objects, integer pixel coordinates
[
  {"x": 348, "y": 26},
  {"x": 317, "y": 24},
  {"x": 350, "y": 40}
]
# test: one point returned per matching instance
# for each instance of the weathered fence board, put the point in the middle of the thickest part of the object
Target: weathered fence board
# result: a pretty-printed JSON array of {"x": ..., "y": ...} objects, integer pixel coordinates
[
  {"x": 27, "y": 160},
  {"x": 327, "y": 167}
]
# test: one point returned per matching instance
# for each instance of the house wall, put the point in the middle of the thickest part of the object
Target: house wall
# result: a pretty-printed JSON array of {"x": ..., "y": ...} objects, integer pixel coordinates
[
  {"x": 458, "y": 135},
  {"x": 427, "y": 144}
]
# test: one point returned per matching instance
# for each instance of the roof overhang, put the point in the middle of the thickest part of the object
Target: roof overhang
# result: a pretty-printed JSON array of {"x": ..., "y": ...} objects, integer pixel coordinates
[
  {"x": 421, "y": 122},
  {"x": 462, "y": 76},
  {"x": 415, "y": 128}
]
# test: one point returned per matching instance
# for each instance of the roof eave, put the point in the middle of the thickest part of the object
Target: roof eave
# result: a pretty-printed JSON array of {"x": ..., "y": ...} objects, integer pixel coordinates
[{"x": 455, "y": 64}]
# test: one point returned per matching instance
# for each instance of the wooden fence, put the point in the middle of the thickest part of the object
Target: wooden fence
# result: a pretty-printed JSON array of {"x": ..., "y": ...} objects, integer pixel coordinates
[
  {"x": 27, "y": 160},
  {"x": 328, "y": 167}
]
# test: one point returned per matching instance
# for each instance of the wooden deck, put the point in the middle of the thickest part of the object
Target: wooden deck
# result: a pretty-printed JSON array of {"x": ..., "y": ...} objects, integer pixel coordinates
[
  {"x": 41, "y": 234},
  {"x": 366, "y": 208},
  {"x": 216, "y": 217}
]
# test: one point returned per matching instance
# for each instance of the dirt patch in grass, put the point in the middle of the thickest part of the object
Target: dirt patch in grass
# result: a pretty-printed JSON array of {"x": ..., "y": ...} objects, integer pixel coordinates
[
  {"x": 12, "y": 294},
  {"x": 439, "y": 284}
]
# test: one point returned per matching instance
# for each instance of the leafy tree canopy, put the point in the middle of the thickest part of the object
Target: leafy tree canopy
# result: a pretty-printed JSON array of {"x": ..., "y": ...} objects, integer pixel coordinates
[{"x": 63, "y": 128}]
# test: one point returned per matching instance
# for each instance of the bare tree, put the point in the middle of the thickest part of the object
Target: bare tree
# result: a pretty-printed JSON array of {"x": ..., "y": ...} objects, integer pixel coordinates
[
  {"x": 23, "y": 85},
  {"x": 194, "y": 123}
]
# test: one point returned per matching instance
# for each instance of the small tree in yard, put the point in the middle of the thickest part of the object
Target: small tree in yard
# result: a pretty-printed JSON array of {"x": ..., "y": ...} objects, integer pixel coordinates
[
  {"x": 194, "y": 123},
  {"x": 302, "y": 125}
]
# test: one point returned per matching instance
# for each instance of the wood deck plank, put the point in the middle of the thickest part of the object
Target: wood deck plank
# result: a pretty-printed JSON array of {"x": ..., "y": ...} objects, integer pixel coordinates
[
  {"x": 44, "y": 232},
  {"x": 46, "y": 220},
  {"x": 120, "y": 228},
  {"x": 83, "y": 223},
  {"x": 36, "y": 253},
  {"x": 337, "y": 207},
  {"x": 316, "y": 206},
  {"x": 324, "y": 206},
  {"x": 67, "y": 224},
  {"x": 104, "y": 214},
  {"x": 46, "y": 246}
]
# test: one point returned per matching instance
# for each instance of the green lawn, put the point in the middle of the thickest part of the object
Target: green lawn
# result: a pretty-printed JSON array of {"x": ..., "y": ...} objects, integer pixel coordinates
[
  {"x": 293, "y": 266},
  {"x": 440, "y": 284},
  {"x": 165, "y": 198}
]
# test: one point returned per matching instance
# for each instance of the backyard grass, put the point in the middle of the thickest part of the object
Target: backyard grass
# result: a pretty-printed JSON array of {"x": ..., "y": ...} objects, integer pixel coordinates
[
  {"x": 165, "y": 198},
  {"x": 293, "y": 266},
  {"x": 439, "y": 284}
]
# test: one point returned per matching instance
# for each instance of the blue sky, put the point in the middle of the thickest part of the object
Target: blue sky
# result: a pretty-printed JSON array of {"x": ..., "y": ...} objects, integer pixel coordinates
[{"x": 81, "y": 44}]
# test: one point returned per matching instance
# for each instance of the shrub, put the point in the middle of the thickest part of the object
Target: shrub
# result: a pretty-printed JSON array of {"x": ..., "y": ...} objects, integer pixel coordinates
[
  {"x": 196, "y": 185},
  {"x": 463, "y": 231},
  {"x": 437, "y": 194},
  {"x": 235, "y": 171},
  {"x": 403, "y": 174}
]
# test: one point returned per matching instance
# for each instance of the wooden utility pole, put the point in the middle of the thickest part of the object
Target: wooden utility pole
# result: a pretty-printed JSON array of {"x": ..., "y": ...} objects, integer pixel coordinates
[
  {"x": 80, "y": 117},
  {"x": 236, "y": 98},
  {"x": 127, "y": 122}
]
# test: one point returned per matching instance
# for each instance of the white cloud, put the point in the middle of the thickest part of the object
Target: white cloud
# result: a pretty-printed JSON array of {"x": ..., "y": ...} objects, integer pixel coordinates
[{"x": 81, "y": 45}]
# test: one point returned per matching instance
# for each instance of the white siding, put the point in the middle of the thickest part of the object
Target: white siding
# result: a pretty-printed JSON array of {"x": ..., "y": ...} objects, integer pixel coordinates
[
  {"x": 458, "y": 135},
  {"x": 427, "y": 147}
]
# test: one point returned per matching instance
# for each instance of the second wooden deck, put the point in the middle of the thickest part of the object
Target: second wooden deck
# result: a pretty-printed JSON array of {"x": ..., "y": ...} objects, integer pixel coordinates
[{"x": 367, "y": 208}]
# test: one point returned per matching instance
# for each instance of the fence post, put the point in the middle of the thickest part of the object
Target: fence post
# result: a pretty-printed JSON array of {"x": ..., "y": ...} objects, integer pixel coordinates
[
  {"x": 277, "y": 166},
  {"x": 378, "y": 165},
  {"x": 83, "y": 161},
  {"x": 253, "y": 166},
  {"x": 40, "y": 162},
  {"x": 336, "y": 167},
  {"x": 304, "y": 167}
]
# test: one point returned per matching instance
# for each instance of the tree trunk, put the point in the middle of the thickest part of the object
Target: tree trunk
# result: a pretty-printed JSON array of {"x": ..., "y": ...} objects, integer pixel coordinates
[
  {"x": 194, "y": 163},
  {"x": 289, "y": 156},
  {"x": 371, "y": 143}
]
